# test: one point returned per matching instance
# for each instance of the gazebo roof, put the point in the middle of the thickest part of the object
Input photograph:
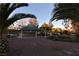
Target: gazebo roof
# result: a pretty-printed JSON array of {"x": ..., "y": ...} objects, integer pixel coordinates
[{"x": 30, "y": 28}]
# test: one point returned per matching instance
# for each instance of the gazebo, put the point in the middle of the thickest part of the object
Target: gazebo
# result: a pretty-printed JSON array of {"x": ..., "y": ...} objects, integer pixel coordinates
[
  {"x": 30, "y": 27},
  {"x": 30, "y": 30}
]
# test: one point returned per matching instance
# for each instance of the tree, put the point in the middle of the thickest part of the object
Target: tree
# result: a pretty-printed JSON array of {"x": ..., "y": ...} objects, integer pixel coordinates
[
  {"x": 32, "y": 26},
  {"x": 22, "y": 22},
  {"x": 57, "y": 30},
  {"x": 5, "y": 10},
  {"x": 45, "y": 27},
  {"x": 67, "y": 12},
  {"x": 75, "y": 26},
  {"x": 33, "y": 21}
]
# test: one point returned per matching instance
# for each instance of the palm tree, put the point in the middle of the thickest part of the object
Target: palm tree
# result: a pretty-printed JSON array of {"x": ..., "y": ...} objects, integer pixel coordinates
[
  {"x": 5, "y": 10},
  {"x": 66, "y": 11}
]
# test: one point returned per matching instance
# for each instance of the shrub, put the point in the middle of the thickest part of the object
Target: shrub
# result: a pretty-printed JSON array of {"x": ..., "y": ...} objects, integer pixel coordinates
[{"x": 66, "y": 38}]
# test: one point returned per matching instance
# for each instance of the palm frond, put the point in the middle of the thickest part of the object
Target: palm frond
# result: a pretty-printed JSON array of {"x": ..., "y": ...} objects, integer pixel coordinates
[
  {"x": 18, "y": 17},
  {"x": 16, "y": 5},
  {"x": 65, "y": 10}
]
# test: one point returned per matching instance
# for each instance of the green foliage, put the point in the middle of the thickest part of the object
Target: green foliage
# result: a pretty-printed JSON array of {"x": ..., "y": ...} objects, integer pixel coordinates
[
  {"x": 66, "y": 37},
  {"x": 67, "y": 12},
  {"x": 45, "y": 27},
  {"x": 5, "y": 10}
]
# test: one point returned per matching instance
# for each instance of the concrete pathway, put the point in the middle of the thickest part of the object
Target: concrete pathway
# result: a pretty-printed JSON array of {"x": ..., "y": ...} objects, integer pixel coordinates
[{"x": 40, "y": 46}]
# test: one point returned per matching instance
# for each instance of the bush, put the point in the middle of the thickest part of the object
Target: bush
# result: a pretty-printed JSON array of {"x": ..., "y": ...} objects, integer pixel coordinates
[{"x": 66, "y": 38}]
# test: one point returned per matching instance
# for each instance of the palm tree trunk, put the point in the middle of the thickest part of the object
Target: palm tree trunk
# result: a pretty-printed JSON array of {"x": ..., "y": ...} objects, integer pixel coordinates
[{"x": 3, "y": 44}]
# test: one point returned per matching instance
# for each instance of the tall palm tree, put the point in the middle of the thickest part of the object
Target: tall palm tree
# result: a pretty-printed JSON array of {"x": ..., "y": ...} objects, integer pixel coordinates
[
  {"x": 66, "y": 11},
  {"x": 5, "y": 10}
]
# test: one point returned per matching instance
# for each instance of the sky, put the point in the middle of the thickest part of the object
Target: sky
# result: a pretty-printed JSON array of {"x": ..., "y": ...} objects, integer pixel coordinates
[{"x": 41, "y": 10}]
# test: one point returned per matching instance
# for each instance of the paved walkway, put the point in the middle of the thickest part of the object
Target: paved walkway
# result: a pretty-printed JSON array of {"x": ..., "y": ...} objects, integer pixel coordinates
[{"x": 30, "y": 46}]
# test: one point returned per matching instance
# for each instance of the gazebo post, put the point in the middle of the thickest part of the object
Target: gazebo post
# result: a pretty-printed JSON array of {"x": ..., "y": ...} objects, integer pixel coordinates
[
  {"x": 45, "y": 33},
  {"x": 21, "y": 34},
  {"x": 36, "y": 34}
]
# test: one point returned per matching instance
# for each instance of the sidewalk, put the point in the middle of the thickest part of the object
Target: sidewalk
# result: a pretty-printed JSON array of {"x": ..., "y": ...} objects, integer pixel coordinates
[{"x": 41, "y": 47}]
